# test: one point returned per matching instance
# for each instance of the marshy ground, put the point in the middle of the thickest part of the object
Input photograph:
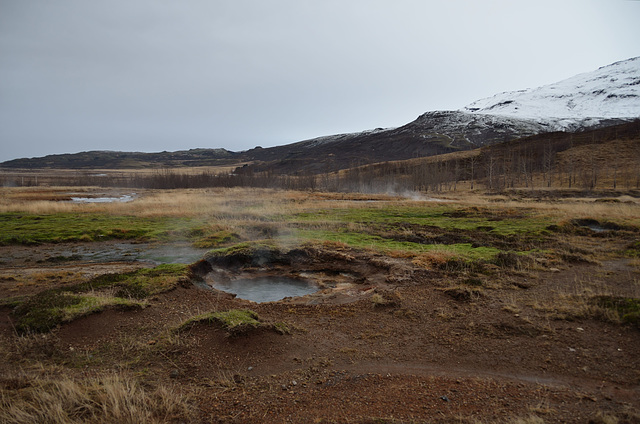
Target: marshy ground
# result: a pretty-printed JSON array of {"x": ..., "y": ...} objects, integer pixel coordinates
[{"x": 518, "y": 307}]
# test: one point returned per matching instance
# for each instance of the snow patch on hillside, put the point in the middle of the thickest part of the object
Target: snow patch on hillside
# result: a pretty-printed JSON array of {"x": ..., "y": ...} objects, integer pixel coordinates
[
  {"x": 314, "y": 142},
  {"x": 610, "y": 92}
]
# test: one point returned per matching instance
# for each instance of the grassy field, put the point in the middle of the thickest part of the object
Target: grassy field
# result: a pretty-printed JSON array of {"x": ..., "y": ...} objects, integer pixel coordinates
[{"x": 466, "y": 225}]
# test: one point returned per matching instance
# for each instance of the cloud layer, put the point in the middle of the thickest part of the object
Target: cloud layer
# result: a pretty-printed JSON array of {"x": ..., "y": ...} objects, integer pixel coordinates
[{"x": 162, "y": 75}]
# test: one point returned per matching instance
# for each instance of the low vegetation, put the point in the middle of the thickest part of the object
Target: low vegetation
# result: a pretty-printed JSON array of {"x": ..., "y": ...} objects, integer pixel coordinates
[
  {"x": 625, "y": 309},
  {"x": 138, "y": 284},
  {"x": 29, "y": 229},
  {"x": 235, "y": 322},
  {"x": 106, "y": 398},
  {"x": 51, "y": 308},
  {"x": 588, "y": 304}
]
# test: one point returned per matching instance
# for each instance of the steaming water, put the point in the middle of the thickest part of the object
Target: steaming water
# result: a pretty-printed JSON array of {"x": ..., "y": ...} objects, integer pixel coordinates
[
  {"x": 129, "y": 252},
  {"x": 266, "y": 289},
  {"x": 172, "y": 254},
  {"x": 118, "y": 252}
]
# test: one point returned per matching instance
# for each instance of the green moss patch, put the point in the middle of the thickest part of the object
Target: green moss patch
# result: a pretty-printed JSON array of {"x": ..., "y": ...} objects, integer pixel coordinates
[
  {"x": 29, "y": 229},
  {"x": 138, "y": 284},
  {"x": 470, "y": 233},
  {"x": 216, "y": 239},
  {"x": 49, "y": 309},
  {"x": 256, "y": 253},
  {"x": 626, "y": 308},
  {"x": 374, "y": 242},
  {"x": 234, "y": 321},
  {"x": 502, "y": 222},
  {"x": 633, "y": 250}
]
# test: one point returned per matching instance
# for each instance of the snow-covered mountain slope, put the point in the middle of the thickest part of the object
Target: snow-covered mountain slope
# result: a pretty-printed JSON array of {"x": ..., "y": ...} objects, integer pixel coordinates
[
  {"x": 318, "y": 141},
  {"x": 608, "y": 96},
  {"x": 585, "y": 100}
]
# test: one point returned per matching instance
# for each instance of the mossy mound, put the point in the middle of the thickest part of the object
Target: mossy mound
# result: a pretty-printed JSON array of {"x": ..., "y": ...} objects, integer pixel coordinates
[
  {"x": 254, "y": 254},
  {"x": 235, "y": 322},
  {"x": 48, "y": 309}
]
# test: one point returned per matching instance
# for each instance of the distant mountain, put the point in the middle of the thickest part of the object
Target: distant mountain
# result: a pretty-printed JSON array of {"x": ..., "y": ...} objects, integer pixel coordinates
[
  {"x": 605, "y": 97},
  {"x": 608, "y": 96},
  {"x": 104, "y": 159},
  {"x": 430, "y": 134}
]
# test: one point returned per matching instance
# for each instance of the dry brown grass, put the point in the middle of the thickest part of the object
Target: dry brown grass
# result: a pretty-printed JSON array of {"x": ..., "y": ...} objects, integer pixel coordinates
[
  {"x": 235, "y": 204},
  {"x": 578, "y": 301},
  {"x": 531, "y": 419},
  {"x": 256, "y": 203},
  {"x": 433, "y": 259},
  {"x": 112, "y": 398},
  {"x": 627, "y": 210}
]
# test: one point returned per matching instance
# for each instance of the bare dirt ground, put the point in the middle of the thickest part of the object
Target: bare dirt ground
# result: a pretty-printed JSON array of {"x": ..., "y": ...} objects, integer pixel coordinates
[{"x": 393, "y": 342}]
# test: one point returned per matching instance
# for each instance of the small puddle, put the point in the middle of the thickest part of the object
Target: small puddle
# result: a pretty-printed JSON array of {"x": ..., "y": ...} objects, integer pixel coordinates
[
  {"x": 121, "y": 199},
  {"x": 597, "y": 228},
  {"x": 266, "y": 289},
  {"x": 118, "y": 252}
]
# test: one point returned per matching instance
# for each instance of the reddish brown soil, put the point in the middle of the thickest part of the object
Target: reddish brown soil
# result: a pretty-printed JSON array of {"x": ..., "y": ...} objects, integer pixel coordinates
[{"x": 426, "y": 356}]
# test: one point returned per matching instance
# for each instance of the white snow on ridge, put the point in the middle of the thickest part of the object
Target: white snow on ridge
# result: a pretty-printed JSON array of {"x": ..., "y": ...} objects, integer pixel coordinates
[
  {"x": 338, "y": 137},
  {"x": 583, "y": 101},
  {"x": 612, "y": 91}
]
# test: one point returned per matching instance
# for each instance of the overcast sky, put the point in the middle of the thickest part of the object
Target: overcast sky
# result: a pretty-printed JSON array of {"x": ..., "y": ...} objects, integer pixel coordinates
[{"x": 153, "y": 75}]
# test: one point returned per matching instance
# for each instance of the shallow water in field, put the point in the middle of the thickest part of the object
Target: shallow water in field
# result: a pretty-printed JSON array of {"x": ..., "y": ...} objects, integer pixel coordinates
[
  {"x": 122, "y": 199},
  {"x": 266, "y": 289},
  {"x": 597, "y": 228},
  {"x": 129, "y": 252},
  {"x": 63, "y": 253},
  {"x": 171, "y": 254}
]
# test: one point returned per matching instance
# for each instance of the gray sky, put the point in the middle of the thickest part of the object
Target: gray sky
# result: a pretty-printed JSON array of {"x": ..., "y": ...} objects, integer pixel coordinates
[{"x": 153, "y": 75}]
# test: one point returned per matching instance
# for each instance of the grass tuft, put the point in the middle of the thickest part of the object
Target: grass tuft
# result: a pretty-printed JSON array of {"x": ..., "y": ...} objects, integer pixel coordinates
[
  {"x": 235, "y": 322},
  {"x": 110, "y": 398},
  {"x": 386, "y": 299},
  {"x": 49, "y": 309},
  {"x": 463, "y": 294},
  {"x": 30, "y": 229},
  {"x": 627, "y": 309},
  {"x": 138, "y": 284}
]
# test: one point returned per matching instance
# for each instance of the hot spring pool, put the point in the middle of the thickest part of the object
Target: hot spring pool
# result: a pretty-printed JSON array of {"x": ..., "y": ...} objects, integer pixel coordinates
[{"x": 266, "y": 289}]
